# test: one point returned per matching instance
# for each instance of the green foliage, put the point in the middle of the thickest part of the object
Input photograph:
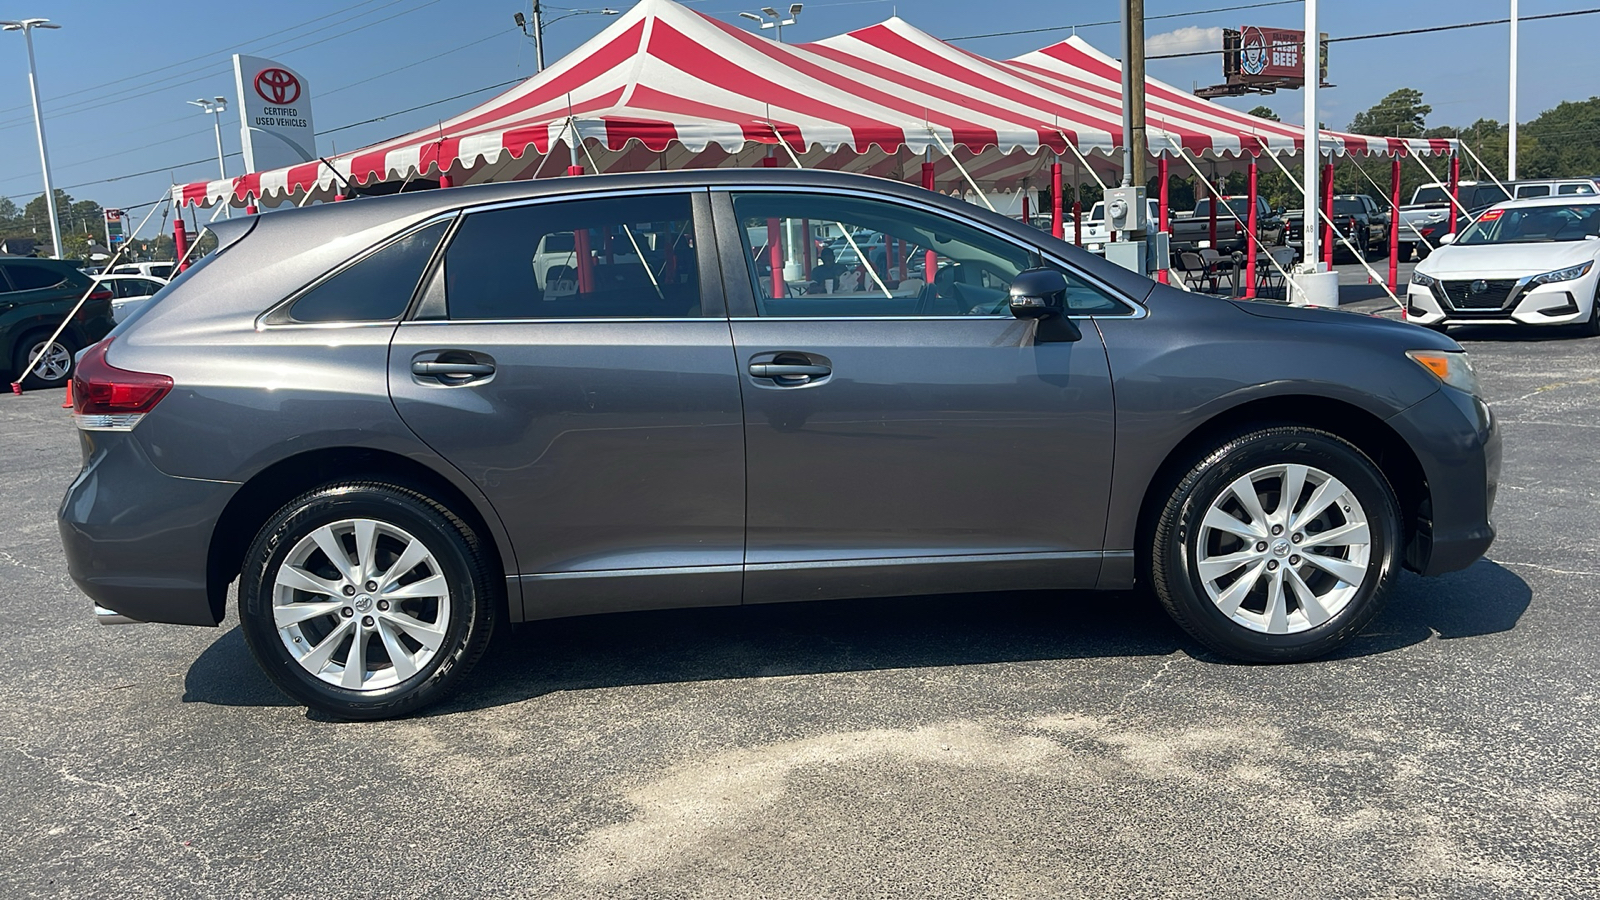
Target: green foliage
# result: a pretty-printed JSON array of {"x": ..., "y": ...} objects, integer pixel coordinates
[
  {"x": 1262, "y": 112},
  {"x": 1562, "y": 142},
  {"x": 1401, "y": 114}
]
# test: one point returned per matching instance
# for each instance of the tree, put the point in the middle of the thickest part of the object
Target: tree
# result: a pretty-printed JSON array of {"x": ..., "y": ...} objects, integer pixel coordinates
[
  {"x": 1561, "y": 143},
  {"x": 1262, "y": 112},
  {"x": 1401, "y": 114}
]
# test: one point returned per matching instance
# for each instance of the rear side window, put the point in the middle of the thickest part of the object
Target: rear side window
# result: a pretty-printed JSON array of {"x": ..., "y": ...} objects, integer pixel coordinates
[
  {"x": 1576, "y": 189},
  {"x": 623, "y": 257},
  {"x": 25, "y": 277},
  {"x": 1534, "y": 190},
  {"x": 375, "y": 289}
]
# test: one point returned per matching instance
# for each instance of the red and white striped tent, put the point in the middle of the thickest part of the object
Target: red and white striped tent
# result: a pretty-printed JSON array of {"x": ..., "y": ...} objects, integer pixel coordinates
[{"x": 666, "y": 87}]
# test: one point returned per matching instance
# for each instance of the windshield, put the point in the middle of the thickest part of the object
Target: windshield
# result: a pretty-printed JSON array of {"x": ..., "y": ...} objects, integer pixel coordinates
[
  {"x": 1534, "y": 225},
  {"x": 1239, "y": 205},
  {"x": 1431, "y": 195}
]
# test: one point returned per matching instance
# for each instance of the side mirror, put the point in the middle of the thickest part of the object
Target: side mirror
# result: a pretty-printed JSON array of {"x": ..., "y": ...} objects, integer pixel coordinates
[
  {"x": 1447, "y": 240},
  {"x": 1042, "y": 294}
]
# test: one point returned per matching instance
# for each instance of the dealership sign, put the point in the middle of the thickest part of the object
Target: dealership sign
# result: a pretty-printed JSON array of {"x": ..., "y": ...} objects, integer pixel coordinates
[
  {"x": 274, "y": 114},
  {"x": 1272, "y": 52}
]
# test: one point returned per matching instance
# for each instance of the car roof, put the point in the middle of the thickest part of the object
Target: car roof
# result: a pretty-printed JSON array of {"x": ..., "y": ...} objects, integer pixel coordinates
[{"x": 1554, "y": 200}]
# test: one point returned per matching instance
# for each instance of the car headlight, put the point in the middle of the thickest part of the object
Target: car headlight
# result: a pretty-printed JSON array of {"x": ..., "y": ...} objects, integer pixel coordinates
[
  {"x": 1568, "y": 274},
  {"x": 1421, "y": 280},
  {"x": 1451, "y": 367}
]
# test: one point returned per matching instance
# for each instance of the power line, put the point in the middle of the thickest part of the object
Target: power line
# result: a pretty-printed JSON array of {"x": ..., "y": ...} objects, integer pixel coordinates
[
  {"x": 1410, "y": 31},
  {"x": 1178, "y": 15}
]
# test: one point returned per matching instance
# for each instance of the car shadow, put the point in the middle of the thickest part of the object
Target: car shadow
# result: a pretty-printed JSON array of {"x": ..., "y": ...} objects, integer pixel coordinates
[
  {"x": 728, "y": 643},
  {"x": 1512, "y": 334}
]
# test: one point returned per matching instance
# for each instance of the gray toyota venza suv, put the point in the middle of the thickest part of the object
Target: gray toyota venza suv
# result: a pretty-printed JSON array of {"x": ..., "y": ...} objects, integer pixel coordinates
[{"x": 404, "y": 422}]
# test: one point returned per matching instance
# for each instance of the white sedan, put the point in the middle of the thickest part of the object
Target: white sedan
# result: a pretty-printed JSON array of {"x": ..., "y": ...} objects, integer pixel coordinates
[
  {"x": 1525, "y": 262},
  {"x": 128, "y": 292}
]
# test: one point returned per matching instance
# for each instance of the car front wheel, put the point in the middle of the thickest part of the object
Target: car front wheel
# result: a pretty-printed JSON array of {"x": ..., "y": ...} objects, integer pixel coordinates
[
  {"x": 367, "y": 600},
  {"x": 1277, "y": 546}
]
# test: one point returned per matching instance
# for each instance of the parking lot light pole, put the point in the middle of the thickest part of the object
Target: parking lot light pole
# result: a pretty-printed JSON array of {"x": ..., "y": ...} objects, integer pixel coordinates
[
  {"x": 26, "y": 26},
  {"x": 777, "y": 20},
  {"x": 1511, "y": 138},
  {"x": 215, "y": 107}
]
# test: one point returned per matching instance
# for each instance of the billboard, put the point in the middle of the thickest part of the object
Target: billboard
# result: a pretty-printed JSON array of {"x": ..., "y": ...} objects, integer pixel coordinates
[
  {"x": 274, "y": 114},
  {"x": 1273, "y": 53}
]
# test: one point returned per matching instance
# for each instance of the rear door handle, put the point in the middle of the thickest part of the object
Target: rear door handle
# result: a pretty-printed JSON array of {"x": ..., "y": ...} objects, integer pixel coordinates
[
  {"x": 449, "y": 369},
  {"x": 788, "y": 370}
]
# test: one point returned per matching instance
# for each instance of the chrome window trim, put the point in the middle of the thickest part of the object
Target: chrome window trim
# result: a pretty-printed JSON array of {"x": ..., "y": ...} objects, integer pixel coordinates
[
  {"x": 262, "y": 323},
  {"x": 580, "y": 195},
  {"x": 722, "y": 320},
  {"x": 1136, "y": 309}
]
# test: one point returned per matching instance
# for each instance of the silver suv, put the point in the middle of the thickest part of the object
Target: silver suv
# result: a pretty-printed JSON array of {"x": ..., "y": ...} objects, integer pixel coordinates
[{"x": 398, "y": 434}]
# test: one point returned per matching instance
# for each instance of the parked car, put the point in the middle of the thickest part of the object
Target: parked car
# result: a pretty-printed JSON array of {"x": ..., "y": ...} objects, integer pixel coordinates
[
  {"x": 1357, "y": 218},
  {"x": 1192, "y": 230},
  {"x": 420, "y": 448},
  {"x": 1426, "y": 218},
  {"x": 35, "y": 295},
  {"x": 1523, "y": 262},
  {"x": 128, "y": 292},
  {"x": 156, "y": 269}
]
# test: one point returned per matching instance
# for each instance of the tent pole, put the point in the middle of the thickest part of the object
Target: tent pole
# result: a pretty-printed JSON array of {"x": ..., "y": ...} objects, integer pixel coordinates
[
  {"x": 1394, "y": 225},
  {"x": 1327, "y": 207},
  {"x": 1250, "y": 244},
  {"x": 1161, "y": 192},
  {"x": 1077, "y": 207},
  {"x": 180, "y": 242},
  {"x": 1215, "y": 197},
  {"x": 1455, "y": 185},
  {"x": 1055, "y": 199}
]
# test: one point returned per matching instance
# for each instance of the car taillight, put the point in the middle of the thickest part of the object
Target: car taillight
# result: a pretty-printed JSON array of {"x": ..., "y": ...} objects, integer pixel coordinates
[
  {"x": 103, "y": 293},
  {"x": 106, "y": 398}
]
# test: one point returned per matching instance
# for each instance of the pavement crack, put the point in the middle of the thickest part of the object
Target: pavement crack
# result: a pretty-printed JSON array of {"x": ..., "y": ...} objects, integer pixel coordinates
[
  {"x": 1150, "y": 682},
  {"x": 129, "y": 803},
  {"x": 1551, "y": 569}
]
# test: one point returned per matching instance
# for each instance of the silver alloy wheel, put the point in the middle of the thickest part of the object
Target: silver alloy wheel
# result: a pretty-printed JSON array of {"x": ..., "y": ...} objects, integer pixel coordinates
[
  {"x": 350, "y": 581},
  {"x": 55, "y": 362},
  {"x": 1283, "y": 549}
]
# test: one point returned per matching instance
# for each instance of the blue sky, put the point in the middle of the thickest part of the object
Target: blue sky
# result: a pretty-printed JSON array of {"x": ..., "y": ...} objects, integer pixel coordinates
[{"x": 116, "y": 76}]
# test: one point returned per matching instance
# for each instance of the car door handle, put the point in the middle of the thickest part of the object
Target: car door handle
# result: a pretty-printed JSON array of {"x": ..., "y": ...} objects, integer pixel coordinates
[
  {"x": 436, "y": 369},
  {"x": 788, "y": 370}
]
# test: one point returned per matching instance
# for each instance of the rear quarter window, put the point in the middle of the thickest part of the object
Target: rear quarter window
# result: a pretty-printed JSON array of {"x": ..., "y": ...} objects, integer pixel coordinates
[
  {"x": 33, "y": 277},
  {"x": 376, "y": 288}
]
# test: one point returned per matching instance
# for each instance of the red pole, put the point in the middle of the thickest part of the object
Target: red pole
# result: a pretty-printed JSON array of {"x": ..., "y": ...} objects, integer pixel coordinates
[
  {"x": 250, "y": 209},
  {"x": 1249, "y": 239},
  {"x": 1024, "y": 205},
  {"x": 1162, "y": 205},
  {"x": 775, "y": 257},
  {"x": 927, "y": 176},
  {"x": 1215, "y": 198},
  {"x": 445, "y": 180},
  {"x": 1455, "y": 189},
  {"x": 580, "y": 243},
  {"x": 930, "y": 260},
  {"x": 1056, "y": 201},
  {"x": 574, "y": 170},
  {"x": 1327, "y": 208},
  {"x": 180, "y": 242},
  {"x": 1394, "y": 225}
]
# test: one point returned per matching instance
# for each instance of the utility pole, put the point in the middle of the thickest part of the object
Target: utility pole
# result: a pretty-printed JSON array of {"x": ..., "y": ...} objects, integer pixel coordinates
[
  {"x": 538, "y": 26},
  {"x": 1511, "y": 144},
  {"x": 1134, "y": 140},
  {"x": 26, "y": 26}
]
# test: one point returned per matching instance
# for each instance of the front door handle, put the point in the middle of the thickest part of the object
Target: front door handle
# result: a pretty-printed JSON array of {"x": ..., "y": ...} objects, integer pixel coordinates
[
  {"x": 451, "y": 369},
  {"x": 788, "y": 370}
]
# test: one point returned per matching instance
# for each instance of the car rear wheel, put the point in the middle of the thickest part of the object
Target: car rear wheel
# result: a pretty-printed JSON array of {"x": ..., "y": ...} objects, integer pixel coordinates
[
  {"x": 1277, "y": 546},
  {"x": 367, "y": 600},
  {"x": 52, "y": 361}
]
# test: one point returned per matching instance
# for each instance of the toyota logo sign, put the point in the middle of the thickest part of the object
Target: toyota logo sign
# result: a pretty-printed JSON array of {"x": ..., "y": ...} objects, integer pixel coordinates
[{"x": 277, "y": 86}]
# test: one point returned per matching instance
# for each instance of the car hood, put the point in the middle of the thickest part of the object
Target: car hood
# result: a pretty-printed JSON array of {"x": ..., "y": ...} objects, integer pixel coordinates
[
  {"x": 1507, "y": 260},
  {"x": 1372, "y": 326}
]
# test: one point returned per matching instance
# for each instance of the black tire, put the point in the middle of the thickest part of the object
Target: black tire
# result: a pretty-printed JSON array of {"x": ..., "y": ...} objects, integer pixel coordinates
[
  {"x": 1422, "y": 252},
  {"x": 475, "y": 594},
  {"x": 1175, "y": 574},
  {"x": 25, "y": 354}
]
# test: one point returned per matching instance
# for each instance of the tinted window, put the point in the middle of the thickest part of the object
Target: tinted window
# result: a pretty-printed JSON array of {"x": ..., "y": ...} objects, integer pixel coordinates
[
  {"x": 1534, "y": 190},
  {"x": 828, "y": 255},
  {"x": 25, "y": 277},
  {"x": 377, "y": 288},
  {"x": 1431, "y": 195},
  {"x": 1349, "y": 207},
  {"x": 1576, "y": 189},
  {"x": 161, "y": 271},
  {"x": 623, "y": 257}
]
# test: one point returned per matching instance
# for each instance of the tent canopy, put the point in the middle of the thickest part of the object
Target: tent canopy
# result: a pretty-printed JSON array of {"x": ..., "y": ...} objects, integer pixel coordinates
[{"x": 666, "y": 87}]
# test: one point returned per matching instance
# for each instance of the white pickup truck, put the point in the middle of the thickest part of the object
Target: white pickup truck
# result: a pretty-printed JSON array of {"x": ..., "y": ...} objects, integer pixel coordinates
[{"x": 1095, "y": 233}]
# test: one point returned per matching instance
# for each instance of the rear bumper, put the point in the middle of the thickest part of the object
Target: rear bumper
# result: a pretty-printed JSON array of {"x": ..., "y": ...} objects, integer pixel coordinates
[
  {"x": 136, "y": 539},
  {"x": 1457, "y": 441}
]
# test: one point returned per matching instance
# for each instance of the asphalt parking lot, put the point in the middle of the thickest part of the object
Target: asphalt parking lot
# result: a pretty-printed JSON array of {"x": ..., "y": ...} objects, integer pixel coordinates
[{"x": 1013, "y": 745}]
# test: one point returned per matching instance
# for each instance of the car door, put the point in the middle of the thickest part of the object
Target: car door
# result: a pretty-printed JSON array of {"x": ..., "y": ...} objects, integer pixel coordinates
[
  {"x": 903, "y": 432},
  {"x": 598, "y": 411}
]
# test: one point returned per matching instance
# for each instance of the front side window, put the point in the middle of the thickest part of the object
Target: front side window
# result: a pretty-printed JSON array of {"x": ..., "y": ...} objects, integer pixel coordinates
[
  {"x": 823, "y": 255},
  {"x": 377, "y": 288},
  {"x": 617, "y": 257}
]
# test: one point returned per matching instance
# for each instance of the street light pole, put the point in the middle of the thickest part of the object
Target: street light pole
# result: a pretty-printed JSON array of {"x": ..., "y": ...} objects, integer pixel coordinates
[
  {"x": 1511, "y": 143},
  {"x": 26, "y": 26},
  {"x": 216, "y": 106},
  {"x": 777, "y": 20},
  {"x": 1312, "y": 152}
]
